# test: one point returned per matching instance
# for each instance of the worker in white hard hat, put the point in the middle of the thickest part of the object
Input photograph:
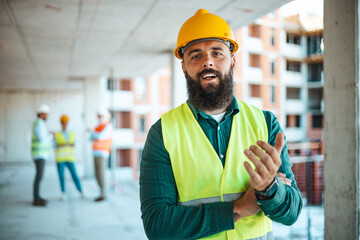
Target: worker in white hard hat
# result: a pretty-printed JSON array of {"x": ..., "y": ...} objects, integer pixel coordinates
[
  {"x": 215, "y": 167},
  {"x": 40, "y": 150},
  {"x": 101, "y": 138}
]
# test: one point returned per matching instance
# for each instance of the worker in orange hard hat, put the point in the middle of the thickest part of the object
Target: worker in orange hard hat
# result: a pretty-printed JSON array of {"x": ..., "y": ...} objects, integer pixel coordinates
[
  {"x": 215, "y": 166},
  {"x": 64, "y": 119},
  {"x": 65, "y": 156}
]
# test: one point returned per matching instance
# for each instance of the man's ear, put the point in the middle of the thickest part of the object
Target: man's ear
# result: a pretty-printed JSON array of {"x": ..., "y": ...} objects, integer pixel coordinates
[
  {"x": 183, "y": 66},
  {"x": 233, "y": 61}
]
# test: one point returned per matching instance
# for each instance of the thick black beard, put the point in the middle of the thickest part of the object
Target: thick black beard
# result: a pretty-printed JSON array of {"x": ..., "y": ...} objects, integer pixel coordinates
[{"x": 213, "y": 97}]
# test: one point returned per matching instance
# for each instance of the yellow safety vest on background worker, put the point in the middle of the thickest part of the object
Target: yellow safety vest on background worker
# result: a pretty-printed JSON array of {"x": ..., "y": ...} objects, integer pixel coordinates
[
  {"x": 65, "y": 150},
  {"x": 39, "y": 149},
  {"x": 199, "y": 174}
]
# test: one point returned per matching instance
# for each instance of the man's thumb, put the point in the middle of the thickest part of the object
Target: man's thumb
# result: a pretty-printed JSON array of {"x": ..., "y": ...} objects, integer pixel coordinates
[{"x": 279, "y": 142}]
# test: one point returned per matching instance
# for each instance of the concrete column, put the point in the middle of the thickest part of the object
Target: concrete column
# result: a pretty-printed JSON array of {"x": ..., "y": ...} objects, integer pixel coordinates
[
  {"x": 91, "y": 94},
  {"x": 341, "y": 94},
  {"x": 178, "y": 82}
]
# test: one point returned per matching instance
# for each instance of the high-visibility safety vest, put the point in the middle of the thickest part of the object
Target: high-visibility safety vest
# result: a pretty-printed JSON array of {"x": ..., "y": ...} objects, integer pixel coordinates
[
  {"x": 105, "y": 144},
  {"x": 199, "y": 174},
  {"x": 39, "y": 149},
  {"x": 65, "y": 150}
]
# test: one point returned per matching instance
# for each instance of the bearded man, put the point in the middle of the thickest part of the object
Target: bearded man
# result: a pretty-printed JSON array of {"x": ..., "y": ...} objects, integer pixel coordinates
[{"x": 215, "y": 166}]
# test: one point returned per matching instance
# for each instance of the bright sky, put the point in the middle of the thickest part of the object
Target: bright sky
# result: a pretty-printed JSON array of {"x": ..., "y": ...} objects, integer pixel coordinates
[{"x": 312, "y": 7}]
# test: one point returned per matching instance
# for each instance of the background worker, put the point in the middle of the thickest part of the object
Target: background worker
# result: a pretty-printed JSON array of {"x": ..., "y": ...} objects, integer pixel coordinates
[
  {"x": 65, "y": 155},
  {"x": 210, "y": 167},
  {"x": 101, "y": 137},
  {"x": 40, "y": 150}
]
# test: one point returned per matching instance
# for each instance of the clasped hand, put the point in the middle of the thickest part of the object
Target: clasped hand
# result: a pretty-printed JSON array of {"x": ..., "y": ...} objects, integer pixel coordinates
[
  {"x": 267, "y": 161},
  {"x": 266, "y": 166}
]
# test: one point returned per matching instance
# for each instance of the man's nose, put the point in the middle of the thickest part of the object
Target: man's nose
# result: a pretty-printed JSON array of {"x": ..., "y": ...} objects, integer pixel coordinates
[{"x": 208, "y": 61}]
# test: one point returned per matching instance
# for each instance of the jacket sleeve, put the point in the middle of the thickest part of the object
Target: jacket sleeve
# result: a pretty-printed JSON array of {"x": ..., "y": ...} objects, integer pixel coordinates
[
  {"x": 286, "y": 205},
  {"x": 42, "y": 134},
  {"x": 162, "y": 217}
]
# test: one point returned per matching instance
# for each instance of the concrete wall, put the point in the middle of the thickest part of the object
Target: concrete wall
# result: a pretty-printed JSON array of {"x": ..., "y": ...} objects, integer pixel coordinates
[
  {"x": 341, "y": 94},
  {"x": 17, "y": 113}
]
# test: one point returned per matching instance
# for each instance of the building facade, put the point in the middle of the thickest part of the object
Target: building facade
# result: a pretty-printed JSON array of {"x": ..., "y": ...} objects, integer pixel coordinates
[
  {"x": 135, "y": 104},
  {"x": 280, "y": 68}
]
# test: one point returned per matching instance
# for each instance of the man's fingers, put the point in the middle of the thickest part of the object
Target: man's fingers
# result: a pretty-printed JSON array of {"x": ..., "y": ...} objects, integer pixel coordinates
[
  {"x": 264, "y": 158},
  {"x": 252, "y": 173},
  {"x": 271, "y": 151},
  {"x": 252, "y": 157},
  {"x": 282, "y": 177},
  {"x": 279, "y": 142},
  {"x": 280, "y": 174}
]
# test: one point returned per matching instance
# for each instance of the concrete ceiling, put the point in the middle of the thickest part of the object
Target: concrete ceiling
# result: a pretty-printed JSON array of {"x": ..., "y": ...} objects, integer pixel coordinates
[{"x": 49, "y": 44}]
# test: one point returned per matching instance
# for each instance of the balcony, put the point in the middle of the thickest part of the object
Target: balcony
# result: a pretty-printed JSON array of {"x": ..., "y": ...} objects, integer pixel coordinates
[
  {"x": 293, "y": 51},
  {"x": 255, "y": 101},
  {"x": 254, "y": 74},
  {"x": 123, "y": 138},
  {"x": 316, "y": 108},
  {"x": 295, "y": 134},
  {"x": 316, "y": 100},
  {"x": 316, "y": 82},
  {"x": 119, "y": 100},
  {"x": 293, "y": 78},
  {"x": 294, "y": 106},
  {"x": 254, "y": 44}
]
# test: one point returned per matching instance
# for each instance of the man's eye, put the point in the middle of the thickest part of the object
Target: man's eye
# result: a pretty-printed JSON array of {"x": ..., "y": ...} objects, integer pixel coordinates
[{"x": 195, "y": 57}]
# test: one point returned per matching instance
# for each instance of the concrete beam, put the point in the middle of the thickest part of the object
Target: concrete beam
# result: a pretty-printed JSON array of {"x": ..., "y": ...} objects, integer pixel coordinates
[
  {"x": 341, "y": 94},
  {"x": 91, "y": 96}
]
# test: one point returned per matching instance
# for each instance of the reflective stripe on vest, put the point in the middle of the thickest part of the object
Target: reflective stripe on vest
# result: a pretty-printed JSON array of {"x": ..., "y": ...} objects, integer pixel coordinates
[
  {"x": 227, "y": 198},
  {"x": 38, "y": 148},
  {"x": 65, "y": 150},
  {"x": 199, "y": 174}
]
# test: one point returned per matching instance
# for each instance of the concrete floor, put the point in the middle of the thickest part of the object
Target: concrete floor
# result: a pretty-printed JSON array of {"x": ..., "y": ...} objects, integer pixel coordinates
[
  {"x": 79, "y": 219},
  {"x": 75, "y": 219}
]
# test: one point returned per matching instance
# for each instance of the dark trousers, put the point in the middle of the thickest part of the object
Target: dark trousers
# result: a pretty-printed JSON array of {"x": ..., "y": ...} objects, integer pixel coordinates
[{"x": 39, "y": 165}]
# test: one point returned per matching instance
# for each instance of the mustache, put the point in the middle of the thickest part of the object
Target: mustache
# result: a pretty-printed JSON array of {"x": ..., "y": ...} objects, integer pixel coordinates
[{"x": 208, "y": 70}]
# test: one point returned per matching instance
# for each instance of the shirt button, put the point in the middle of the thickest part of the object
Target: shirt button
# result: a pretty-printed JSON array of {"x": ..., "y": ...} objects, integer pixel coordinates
[
  {"x": 218, "y": 128},
  {"x": 222, "y": 156}
]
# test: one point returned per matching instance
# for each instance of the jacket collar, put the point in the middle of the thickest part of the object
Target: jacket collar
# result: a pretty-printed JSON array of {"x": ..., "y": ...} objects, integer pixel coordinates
[{"x": 232, "y": 109}]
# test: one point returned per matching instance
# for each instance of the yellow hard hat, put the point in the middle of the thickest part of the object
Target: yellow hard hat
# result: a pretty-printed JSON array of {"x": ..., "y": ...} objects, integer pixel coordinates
[
  {"x": 64, "y": 119},
  {"x": 204, "y": 26}
]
